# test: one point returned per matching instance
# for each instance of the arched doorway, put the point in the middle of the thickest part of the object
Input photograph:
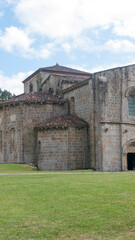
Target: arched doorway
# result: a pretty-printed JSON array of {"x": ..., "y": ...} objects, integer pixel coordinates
[
  {"x": 131, "y": 157},
  {"x": 129, "y": 152}
]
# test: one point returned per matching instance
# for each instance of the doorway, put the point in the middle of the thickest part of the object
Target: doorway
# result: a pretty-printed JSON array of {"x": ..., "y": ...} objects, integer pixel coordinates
[{"x": 131, "y": 161}]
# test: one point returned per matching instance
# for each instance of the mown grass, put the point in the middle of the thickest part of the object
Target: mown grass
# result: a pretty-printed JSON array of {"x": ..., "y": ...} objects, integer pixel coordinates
[
  {"x": 15, "y": 168},
  {"x": 24, "y": 168},
  {"x": 62, "y": 207}
]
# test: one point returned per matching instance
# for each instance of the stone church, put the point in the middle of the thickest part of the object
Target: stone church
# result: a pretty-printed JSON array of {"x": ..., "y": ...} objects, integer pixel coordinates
[{"x": 69, "y": 119}]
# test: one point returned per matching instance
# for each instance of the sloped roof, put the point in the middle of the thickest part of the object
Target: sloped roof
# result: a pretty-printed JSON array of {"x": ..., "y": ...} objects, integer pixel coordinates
[
  {"x": 62, "y": 121},
  {"x": 58, "y": 69},
  {"x": 33, "y": 98}
]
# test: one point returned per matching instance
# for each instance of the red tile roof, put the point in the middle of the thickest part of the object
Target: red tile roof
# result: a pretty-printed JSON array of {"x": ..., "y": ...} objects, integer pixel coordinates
[
  {"x": 34, "y": 97},
  {"x": 58, "y": 69},
  {"x": 62, "y": 121}
]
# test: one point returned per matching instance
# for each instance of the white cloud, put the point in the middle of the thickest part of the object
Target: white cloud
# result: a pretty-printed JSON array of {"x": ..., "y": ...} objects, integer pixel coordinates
[
  {"x": 14, "y": 83},
  {"x": 64, "y": 18},
  {"x": 66, "y": 23},
  {"x": 103, "y": 67},
  {"x": 15, "y": 38},
  {"x": 66, "y": 47},
  {"x": 119, "y": 46},
  {"x": 86, "y": 44}
]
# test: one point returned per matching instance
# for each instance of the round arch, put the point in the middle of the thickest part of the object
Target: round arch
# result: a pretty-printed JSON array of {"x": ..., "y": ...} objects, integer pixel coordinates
[
  {"x": 128, "y": 154},
  {"x": 130, "y": 91}
]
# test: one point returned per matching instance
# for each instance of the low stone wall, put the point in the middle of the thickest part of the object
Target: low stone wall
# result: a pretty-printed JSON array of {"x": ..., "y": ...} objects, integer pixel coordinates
[{"x": 61, "y": 149}]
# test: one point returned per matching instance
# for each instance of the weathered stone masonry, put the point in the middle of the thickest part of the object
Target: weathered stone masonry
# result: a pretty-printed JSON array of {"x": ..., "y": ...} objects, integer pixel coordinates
[{"x": 70, "y": 119}]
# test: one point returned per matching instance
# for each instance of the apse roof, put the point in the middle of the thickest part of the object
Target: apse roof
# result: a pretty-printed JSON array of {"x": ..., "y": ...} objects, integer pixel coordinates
[
  {"x": 34, "y": 97},
  {"x": 62, "y": 121}
]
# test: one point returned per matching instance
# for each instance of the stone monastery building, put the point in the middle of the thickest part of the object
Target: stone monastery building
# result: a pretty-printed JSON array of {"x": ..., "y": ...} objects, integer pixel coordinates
[{"x": 70, "y": 119}]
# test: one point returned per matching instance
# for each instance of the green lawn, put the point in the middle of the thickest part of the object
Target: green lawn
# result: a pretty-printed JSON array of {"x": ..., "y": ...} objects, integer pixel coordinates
[
  {"x": 61, "y": 207},
  {"x": 15, "y": 168}
]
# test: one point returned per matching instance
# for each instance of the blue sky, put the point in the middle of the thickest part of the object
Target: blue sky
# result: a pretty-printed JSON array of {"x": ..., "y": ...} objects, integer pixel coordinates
[{"x": 83, "y": 34}]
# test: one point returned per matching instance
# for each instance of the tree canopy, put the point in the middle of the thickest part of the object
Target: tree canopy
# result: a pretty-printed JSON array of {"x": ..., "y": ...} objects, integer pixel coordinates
[{"x": 5, "y": 95}]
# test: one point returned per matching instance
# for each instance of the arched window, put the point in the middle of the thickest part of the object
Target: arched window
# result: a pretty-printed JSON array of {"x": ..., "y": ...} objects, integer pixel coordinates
[
  {"x": 131, "y": 106},
  {"x": 51, "y": 90},
  {"x": 12, "y": 139},
  {"x": 31, "y": 87},
  {"x": 130, "y": 94},
  {"x": 72, "y": 105}
]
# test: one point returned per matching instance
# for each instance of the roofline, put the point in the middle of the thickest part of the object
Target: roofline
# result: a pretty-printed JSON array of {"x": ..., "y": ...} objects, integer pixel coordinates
[
  {"x": 54, "y": 71},
  {"x": 33, "y": 102},
  {"x": 110, "y": 69},
  {"x": 75, "y": 86},
  {"x": 83, "y": 123}
]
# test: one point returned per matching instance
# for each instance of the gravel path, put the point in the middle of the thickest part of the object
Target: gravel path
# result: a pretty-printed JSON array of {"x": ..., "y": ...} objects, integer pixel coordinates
[{"x": 64, "y": 173}]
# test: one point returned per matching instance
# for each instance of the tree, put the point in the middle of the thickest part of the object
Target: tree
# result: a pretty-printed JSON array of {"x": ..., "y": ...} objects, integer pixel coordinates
[
  {"x": 5, "y": 95},
  {"x": 39, "y": 82}
]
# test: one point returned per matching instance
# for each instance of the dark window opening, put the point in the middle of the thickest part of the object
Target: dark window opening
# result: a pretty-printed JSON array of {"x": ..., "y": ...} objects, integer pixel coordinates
[
  {"x": 12, "y": 140},
  {"x": 31, "y": 87},
  {"x": 51, "y": 90},
  {"x": 72, "y": 105},
  {"x": 131, "y": 161}
]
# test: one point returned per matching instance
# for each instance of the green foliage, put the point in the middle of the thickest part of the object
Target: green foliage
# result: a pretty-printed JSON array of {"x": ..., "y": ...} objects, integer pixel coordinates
[
  {"x": 5, "y": 95},
  {"x": 39, "y": 82},
  {"x": 76, "y": 206}
]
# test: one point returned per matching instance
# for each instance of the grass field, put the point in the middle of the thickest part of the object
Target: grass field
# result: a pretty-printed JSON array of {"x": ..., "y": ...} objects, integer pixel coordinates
[{"x": 66, "y": 206}]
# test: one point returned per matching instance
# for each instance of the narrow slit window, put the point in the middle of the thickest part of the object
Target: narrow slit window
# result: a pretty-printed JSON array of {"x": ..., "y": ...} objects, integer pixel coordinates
[
  {"x": 12, "y": 141},
  {"x": 0, "y": 140},
  {"x": 31, "y": 87}
]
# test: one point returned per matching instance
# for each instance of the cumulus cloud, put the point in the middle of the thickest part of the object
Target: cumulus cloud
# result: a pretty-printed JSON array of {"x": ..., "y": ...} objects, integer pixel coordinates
[
  {"x": 67, "y": 25},
  {"x": 13, "y": 83},
  {"x": 119, "y": 46},
  {"x": 86, "y": 44},
  {"x": 15, "y": 38},
  {"x": 63, "y": 18}
]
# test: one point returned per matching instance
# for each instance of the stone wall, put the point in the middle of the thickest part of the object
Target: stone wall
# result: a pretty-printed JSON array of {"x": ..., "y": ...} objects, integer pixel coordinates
[
  {"x": 11, "y": 121},
  {"x": 112, "y": 117},
  {"x": 34, "y": 114},
  {"x": 34, "y": 80},
  {"x": 61, "y": 149},
  {"x": 54, "y": 83},
  {"x": 83, "y": 108},
  {"x": 17, "y": 122}
]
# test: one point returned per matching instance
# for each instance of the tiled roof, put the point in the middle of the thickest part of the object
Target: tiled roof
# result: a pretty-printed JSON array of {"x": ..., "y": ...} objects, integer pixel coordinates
[
  {"x": 58, "y": 69},
  {"x": 62, "y": 121},
  {"x": 34, "y": 97},
  {"x": 78, "y": 85}
]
